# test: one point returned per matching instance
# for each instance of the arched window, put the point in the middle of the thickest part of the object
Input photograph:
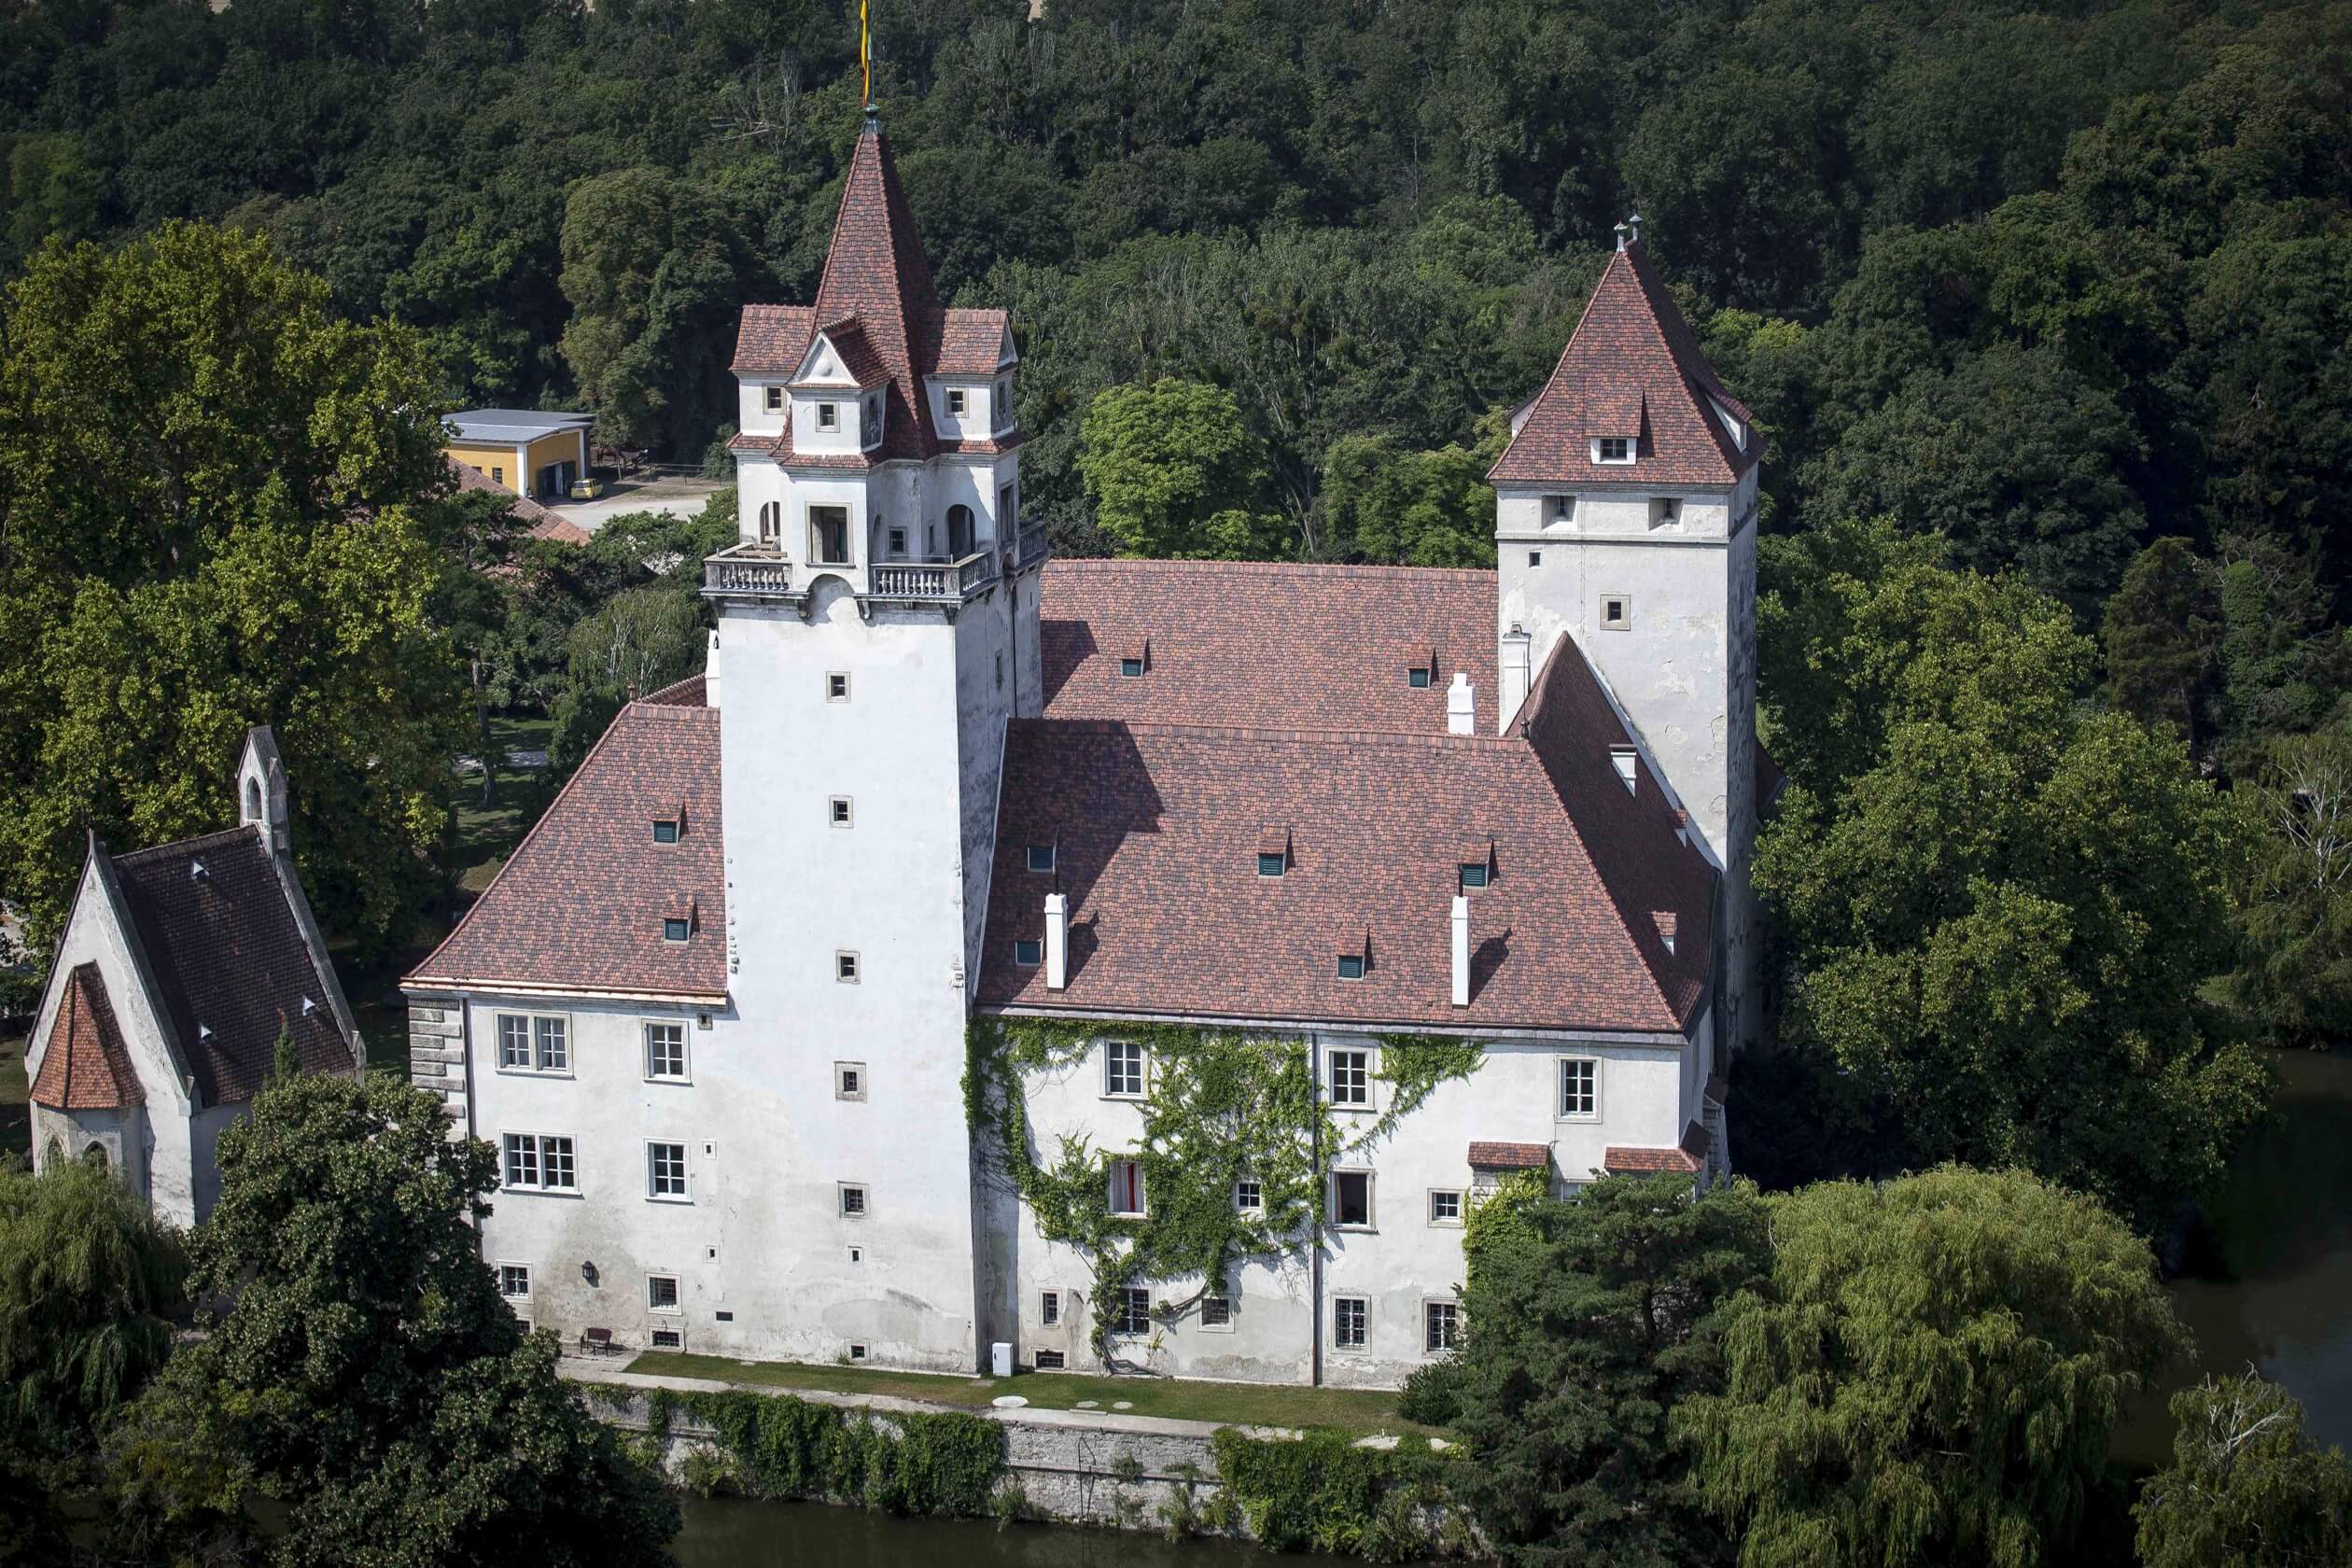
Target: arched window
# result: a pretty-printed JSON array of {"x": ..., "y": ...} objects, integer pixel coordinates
[
  {"x": 253, "y": 800},
  {"x": 958, "y": 532},
  {"x": 771, "y": 522},
  {"x": 95, "y": 1156}
]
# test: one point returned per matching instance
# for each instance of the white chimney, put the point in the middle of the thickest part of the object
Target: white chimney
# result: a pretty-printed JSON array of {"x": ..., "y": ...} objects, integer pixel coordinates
[
  {"x": 1517, "y": 648},
  {"x": 1057, "y": 941},
  {"x": 1461, "y": 950},
  {"x": 711, "y": 672},
  {"x": 1461, "y": 706}
]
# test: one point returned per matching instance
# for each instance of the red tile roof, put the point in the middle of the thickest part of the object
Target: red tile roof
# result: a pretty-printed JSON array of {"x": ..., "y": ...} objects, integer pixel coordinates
[
  {"x": 1509, "y": 1156},
  {"x": 1254, "y": 643},
  {"x": 860, "y": 362},
  {"x": 86, "y": 1066},
  {"x": 972, "y": 343},
  {"x": 1632, "y": 368},
  {"x": 545, "y": 525},
  {"x": 226, "y": 955},
  {"x": 1691, "y": 1156},
  {"x": 579, "y": 907},
  {"x": 772, "y": 340},
  {"x": 1158, "y": 827}
]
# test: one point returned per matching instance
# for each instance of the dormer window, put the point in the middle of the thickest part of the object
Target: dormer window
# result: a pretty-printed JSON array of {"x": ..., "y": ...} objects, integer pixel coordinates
[
  {"x": 956, "y": 396},
  {"x": 1421, "y": 670},
  {"x": 677, "y": 928},
  {"x": 1475, "y": 874},
  {"x": 1028, "y": 951},
  {"x": 1351, "y": 966},
  {"x": 665, "y": 832},
  {"x": 1273, "y": 851},
  {"x": 775, "y": 399},
  {"x": 828, "y": 416},
  {"x": 1612, "y": 449},
  {"x": 1625, "y": 760},
  {"x": 1040, "y": 857},
  {"x": 1133, "y": 657}
]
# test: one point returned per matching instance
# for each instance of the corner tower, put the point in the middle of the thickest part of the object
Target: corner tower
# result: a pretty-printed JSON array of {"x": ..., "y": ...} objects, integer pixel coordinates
[
  {"x": 878, "y": 627},
  {"x": 1625, "y": 517}
]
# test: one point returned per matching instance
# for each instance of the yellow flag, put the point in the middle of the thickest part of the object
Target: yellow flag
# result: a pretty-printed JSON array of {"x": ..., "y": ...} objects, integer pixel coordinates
[{"x": 865, "y": 50}]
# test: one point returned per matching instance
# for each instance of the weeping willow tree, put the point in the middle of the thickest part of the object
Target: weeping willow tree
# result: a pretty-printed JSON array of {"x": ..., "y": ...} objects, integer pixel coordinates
[{"x": 88, "y": 1277}]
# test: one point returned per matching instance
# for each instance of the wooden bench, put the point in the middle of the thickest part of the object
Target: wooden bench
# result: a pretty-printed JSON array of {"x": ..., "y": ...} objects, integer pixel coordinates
[{"x": 596, "y": 1341}]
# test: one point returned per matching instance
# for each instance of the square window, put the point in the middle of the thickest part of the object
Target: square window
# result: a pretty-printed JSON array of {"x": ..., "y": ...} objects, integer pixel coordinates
[
  {"x": 1534, "y": 557},
  {"x": 1040, "y": 857},
  {"x": 1249, "y": 1195},
  {"x": 837, "y": 686},
  {"x": 1351, "y": 966},
  {"x": 775, "y": 401},
  {"x": 1441, "y": 1325},
  {"x": 554, "y": 1050},
  {"x": 1612, "y": 449},
  {"x": 857, "y": 1351},
  {"x": 1351, "y": 1320},
  {"x": 1049, "y": 1308},
  {"x": 665, "y": 832},
  {"x": 1029, "y": 952},
  {"x": 1617, "y": 612},
  {"x": 1123, "y": 1067},
  {"x": 1216, "y": 1311},
  {"x": 1134, "y": 1313},
  {"x": 1126, "y": 1187},
  {"x": 660, "y": 1293},
  {"x": 956, "y": 400},
  {"x": 1273, "y": 865},
  {"x": 1351, "y": 1200},
  {"x": 849, "y": 1081},
  {"x": 537, "y": 1162},
  {"x": 1580, "y": 1089},
  {"x": 1417, "y": 677},
  {"x": 666, "y": 1169},
  {"x": 837, "y": 811},
  {"x": 828, "y": 416},
  {"x": 853, "y": 1200},
  {"x": 1474, "y": 876},
  {"x": 1351, "y": 1077},
  {"x": 1131, "y": 667},
  {"x": 846, "y": 967},
  {"x": 666, "y": 1050},
  {"x": 677, "y": 929},
  {"x": 1445, "y": 1205},
  {"x": 515, "y": 1040},
  {"x": 514, "y": 1281}
]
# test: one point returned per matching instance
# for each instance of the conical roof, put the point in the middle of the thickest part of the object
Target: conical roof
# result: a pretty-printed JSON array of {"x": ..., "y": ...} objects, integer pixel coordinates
[{"x": 875, "y": 273}]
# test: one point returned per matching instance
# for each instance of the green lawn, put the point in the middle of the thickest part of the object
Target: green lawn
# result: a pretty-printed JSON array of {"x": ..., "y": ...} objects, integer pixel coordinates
[{"x": 1241, "y": 1404}]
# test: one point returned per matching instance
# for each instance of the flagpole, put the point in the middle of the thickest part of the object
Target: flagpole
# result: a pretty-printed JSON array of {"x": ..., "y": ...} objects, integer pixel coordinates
[{"x": 865, "y": 51}]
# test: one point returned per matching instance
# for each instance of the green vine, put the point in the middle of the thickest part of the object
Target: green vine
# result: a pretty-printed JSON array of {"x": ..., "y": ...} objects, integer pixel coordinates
[
  {"x": 1222, "y": 1105},
  {"x": 1321, "y": 1492},
  {"x": 775, "y": 1446}
]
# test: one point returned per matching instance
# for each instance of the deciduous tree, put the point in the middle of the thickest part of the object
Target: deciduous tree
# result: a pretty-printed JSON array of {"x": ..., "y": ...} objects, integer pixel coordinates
[
  {"x": 2245, "y": 1486},
  {"x": 1173, "y": 472}
]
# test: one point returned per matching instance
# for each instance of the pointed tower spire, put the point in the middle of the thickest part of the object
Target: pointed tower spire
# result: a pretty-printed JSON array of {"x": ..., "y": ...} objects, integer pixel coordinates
[{"x": 876, "y": 272}]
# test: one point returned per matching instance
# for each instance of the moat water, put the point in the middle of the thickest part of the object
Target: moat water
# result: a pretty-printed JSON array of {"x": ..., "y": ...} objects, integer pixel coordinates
[{"x": 2268, "y": 1284}]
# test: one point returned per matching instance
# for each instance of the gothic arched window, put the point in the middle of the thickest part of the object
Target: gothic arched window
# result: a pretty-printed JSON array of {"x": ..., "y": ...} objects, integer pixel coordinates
[{"x": 95, "y": 1156}]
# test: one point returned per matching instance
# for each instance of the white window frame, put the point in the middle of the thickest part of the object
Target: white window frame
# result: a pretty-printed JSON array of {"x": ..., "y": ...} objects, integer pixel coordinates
[
  {"x": 1592, "y": 1090},
  {"x": 1628, "y": 448},
  {"x": 1112, "y": 1077},
  {"x": 829, "y": 417},
  {"x": 1359, "y": 1321},
  {"x": 1359, "y": 1084},
  {"x": 841, "y": 811},
  {"x": 836, "y": 685},
  {"x": 842, "y": 1191},
  {"x": 847, "y": 968},
  {"x": 1461, "y": 1206},
  {"x": 1128, "y": 1296},
  {"x": 653, "y": 1074},
  {"x": 656, "y": 1151},
  {"x": 522, "y": 1268},
  {"x": 678, "y": 1295},
  {"x": 540, "y": 1029},
  {"x": 542, "y": 1150},
  {"x": 1231, "y": 1303},
  {"x": 1624, "y": 622},
  {"x": 1431, "y": 1305},
  {"x": 774, "y": 401},
  {"x": 846, "y": 1091},
  {"x": 1257, "y": 1190},
  {"x": 1371, "y": 1220},
  {"x": 956, "y": 402},
  {"x": 1112, "y": 1185}
]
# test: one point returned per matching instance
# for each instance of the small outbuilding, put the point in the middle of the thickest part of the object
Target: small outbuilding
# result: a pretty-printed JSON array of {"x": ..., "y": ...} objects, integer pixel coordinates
[{"x": 537, "y": 455}]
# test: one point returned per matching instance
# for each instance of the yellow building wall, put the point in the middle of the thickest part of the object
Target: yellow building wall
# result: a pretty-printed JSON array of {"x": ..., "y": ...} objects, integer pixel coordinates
[
  {"x": 565, "y": 446},
  {"x": 485, "y": 458}
]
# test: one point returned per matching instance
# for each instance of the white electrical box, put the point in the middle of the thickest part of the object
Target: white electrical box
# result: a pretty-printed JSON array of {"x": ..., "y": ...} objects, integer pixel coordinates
[{"x": 1001, "y": 1360}]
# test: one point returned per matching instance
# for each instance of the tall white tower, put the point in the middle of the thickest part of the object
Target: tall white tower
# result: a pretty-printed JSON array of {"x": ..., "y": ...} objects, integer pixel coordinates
[
  {"x": 1626, "y": 518},
  {"x": 877, "y": 627}
]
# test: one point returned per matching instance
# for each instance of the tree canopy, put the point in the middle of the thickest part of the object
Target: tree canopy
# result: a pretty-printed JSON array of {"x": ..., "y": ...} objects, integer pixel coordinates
[{"x": 2245, "y": 1486}]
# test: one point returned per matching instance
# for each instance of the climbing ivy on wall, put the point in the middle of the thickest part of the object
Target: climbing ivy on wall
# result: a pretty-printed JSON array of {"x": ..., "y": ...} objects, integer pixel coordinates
[
  {"x": 1321, "y": 1491},
  {"x": 1222, "y": 1104}
]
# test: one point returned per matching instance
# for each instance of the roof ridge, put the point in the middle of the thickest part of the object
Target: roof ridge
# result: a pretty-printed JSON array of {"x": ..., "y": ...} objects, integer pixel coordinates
[
  {"x": 1417, "y": 739},
  {"x": 1318, "y": 569},
  {"x": 179, "y": 846}
]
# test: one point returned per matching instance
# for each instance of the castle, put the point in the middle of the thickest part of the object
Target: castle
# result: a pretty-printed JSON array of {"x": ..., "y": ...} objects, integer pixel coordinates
[{"x": 1461, "y": 855}]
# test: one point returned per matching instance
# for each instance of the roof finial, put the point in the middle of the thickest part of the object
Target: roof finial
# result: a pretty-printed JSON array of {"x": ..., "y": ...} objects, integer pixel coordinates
[
  {"x": 1620, "y": 234},
  {"x": 1634, "y": 222}
]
